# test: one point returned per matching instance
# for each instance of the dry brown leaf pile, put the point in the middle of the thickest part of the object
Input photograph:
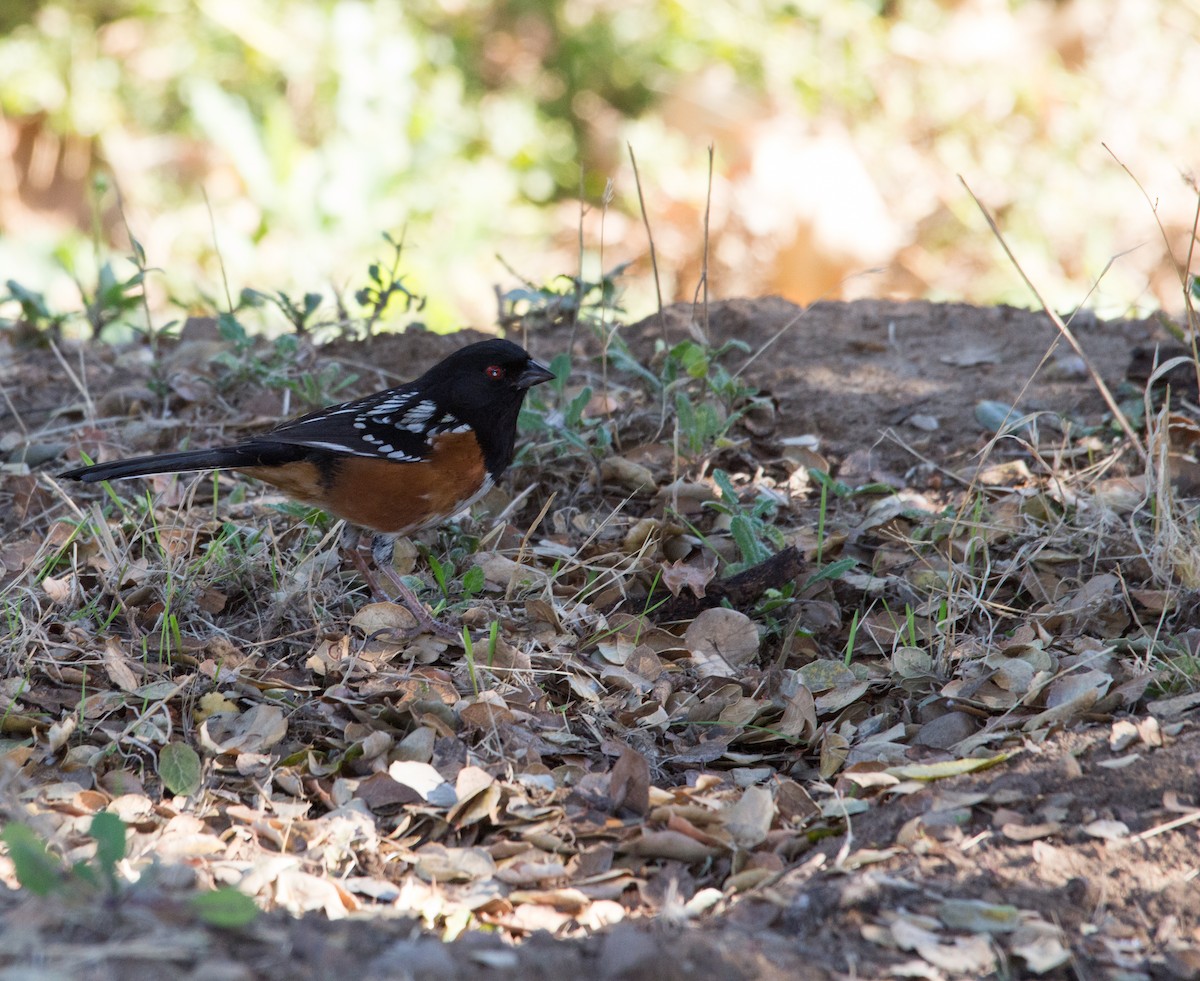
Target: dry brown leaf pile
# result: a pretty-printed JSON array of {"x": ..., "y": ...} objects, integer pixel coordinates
[{"x": 583, "y": 763}]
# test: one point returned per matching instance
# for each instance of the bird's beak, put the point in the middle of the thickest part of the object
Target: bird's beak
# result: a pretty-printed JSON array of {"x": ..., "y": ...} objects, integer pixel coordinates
[{"x": 534, "y": 374}]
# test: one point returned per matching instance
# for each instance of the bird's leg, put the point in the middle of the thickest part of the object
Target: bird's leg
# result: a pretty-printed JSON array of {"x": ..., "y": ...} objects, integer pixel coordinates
[
  {"x": 382, "y": 547},
  {"x": 349, "y": 542},
  {"x": 381, "y": 550}
]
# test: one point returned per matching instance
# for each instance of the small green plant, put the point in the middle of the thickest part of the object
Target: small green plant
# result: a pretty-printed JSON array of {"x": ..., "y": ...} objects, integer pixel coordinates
[
  {"x": 114, "y": 296},
  {"x": 556, "y": 418},
  {"x": 42, "y": 873},
  {"x": 110, "y": 300},
  {"x": 34, "y": 316},
  {"x": 694, "y": 388},
  {"x": 551, "y": 413},
  {"x": 570, "y": 299},
  {"x": 469, "y": 652},
  {"x": 749, "y": 525},
  {"x": 707, "y": 409},
  {"x": 837, "y": 488},
  {"x": 470, "y": 581},
  {"x": 850, "y": 639},
  {"x": 249, "y": 361},
  {"x": 386, "y": 284},
  {"x": 693, "y": 381},
  {"x": 225, "y": 907}
]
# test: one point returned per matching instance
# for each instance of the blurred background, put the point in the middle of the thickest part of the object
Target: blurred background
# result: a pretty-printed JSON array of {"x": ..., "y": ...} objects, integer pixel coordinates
[{"x": 270, "y": 143}]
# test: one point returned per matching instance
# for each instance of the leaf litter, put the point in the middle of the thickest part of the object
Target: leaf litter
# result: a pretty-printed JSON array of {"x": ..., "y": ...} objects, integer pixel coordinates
[{"x": 598, "y": 757}]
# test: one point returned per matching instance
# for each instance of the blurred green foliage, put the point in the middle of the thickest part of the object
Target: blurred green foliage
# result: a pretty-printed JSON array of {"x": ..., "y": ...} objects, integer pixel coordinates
[{"x": 279, "y": 138}]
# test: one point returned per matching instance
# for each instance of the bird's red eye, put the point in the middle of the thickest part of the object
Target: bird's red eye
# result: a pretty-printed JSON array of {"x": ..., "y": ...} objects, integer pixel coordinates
[{"x": 494, "y": 372}]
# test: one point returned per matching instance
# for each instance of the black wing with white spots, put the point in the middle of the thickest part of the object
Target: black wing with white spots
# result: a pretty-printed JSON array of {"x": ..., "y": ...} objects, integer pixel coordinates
[{"x": 397, "y": 424}]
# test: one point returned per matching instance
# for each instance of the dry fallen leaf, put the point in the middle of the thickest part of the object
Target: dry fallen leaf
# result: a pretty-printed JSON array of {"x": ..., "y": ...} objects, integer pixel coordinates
[
  {"x": 694, "y": 573},
  {"x": 629, "y": 782},
  {"x": 1106, "y": 829},
  {"x": 749, "y": 820},
  {"x": 59, "y": 589},
  {"x": 383, "y": 617},
  {"x": 425, "y": 780},
  {"x": 722, "y": 641},
  {"x": 437, "y": 863},
  {"x": 116, "y": 666},
  {"x": 668, "y": 845},
  {"x": 961, "y": 956},
  {"x": 628, "y": 474},
  {"x": 211, "y": 703},
  {"x": 257, "y": 729}
]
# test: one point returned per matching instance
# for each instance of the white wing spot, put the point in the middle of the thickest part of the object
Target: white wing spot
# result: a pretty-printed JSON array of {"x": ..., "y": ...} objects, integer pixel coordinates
[
  {"x": 421, "y": 411},
  {"x": 317, "y": 444},
  {"x": 386, "y": 448}
]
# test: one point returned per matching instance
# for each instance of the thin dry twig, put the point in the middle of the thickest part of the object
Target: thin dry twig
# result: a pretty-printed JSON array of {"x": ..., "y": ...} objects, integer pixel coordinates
[
  {"x": 637, "y": 179},
  {"x": 524, "y": 548},
  {"x": 1067, "y": 334},
  {"x": 1181, "y": 269},
  {"x": 78, "y": 380},
  {"x": 1190, "y": 818},
  {"x": 702, "y": 286}
]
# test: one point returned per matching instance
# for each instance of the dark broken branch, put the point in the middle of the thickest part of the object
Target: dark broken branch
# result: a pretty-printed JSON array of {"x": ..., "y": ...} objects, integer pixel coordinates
[{"x": 740, "y": 590}]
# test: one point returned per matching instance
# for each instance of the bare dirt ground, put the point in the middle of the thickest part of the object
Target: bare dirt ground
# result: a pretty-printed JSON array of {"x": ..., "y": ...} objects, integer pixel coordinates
[{"x": 937, "y": 810}]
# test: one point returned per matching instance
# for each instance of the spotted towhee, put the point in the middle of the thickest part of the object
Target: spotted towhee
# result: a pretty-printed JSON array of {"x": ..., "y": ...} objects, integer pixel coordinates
[{"x": 393, "y": 462}]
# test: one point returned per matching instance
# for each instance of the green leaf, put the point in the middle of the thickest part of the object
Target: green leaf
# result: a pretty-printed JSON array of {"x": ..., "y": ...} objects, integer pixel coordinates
[
  {"x": 574, "y": 413},
  {"x": 36, "y": 870},
  {"x": 822, "y": 479},
  {"x": 945, "y": 768},
  {"x": 693, "y": 357},
  {"x": 225, "y": 907},
  {"x": 439, "y": 572},
  {"x": 622, "y": 360},
  {"x": 725, "y": 486},
  {"x": 106, "y": 279},
  {"x": 231, "y": 328},
  {"x": 85, "y": 873},
  {"x": 686, "y": 414},
  {"x": 831, "y": 571},
  {"x": 179, "y": 769},
  {"x": 561, "y": 366},
  {"x": 978, "y": 916},
  {"x": 473, "y": 581},
  {"x": 746, "y": 537},
  {"x": 109, "y": 832}
]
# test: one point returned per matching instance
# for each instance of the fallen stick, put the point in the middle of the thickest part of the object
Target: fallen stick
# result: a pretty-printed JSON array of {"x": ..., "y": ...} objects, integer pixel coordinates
[{"x": 740, "y": 590}]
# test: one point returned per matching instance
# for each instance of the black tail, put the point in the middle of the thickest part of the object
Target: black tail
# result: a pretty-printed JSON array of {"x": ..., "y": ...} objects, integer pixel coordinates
[{"x": 143, "y": 466}]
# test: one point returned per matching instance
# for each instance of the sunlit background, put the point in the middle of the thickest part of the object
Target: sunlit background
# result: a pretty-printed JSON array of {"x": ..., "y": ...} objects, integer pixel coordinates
[{"x": 270, "y": 143}]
